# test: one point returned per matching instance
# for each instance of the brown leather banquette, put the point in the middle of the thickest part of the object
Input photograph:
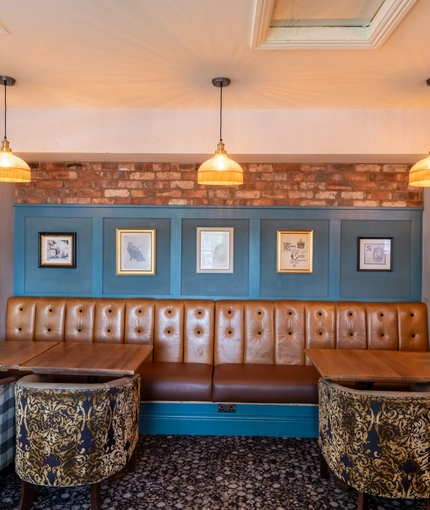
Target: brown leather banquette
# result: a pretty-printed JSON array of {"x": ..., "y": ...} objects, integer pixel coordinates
[{"x": 223, "y": 351}]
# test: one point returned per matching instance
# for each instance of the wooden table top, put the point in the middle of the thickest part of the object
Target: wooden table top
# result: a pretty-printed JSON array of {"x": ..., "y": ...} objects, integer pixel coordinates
[
  {"x": 362, "y": 365},
  {"x": 92, "y": 359},
  {"x": 13, "y": 354}
]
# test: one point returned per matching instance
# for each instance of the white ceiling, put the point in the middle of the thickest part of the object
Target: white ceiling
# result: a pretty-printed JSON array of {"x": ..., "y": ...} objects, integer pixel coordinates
[{"x": 163, "y": 54}]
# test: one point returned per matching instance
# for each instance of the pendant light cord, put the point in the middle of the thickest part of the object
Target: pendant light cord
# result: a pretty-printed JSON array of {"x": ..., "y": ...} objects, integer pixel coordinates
[
  {"x": 220, "y": 113},
  {"x": 5, "y": 110}
]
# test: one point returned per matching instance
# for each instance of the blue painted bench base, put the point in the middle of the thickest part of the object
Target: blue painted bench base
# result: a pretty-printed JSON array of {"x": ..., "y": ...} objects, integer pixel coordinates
[{"x": 186, "y": 418}]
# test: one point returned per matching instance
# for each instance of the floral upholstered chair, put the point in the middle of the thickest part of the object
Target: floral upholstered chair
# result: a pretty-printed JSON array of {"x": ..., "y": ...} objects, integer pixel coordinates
[
  {"x": 71, "y": 434},
  {"x": 7, "y": 421},
  {"x": 376, "y": 442}
]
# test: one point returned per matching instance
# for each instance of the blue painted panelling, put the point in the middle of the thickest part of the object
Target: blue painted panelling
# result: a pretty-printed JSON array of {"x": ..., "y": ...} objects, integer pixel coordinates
[
  {"x": 235, "y": 284},
  {"x": 334, "y": 276},
  {"x": 295, "y": 285},
  {"x": 249, "y": 420},
  {"x": 158, "y": 284}
]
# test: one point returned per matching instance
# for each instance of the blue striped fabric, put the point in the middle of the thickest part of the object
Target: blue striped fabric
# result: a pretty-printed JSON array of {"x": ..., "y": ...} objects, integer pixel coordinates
[{"x": 7, "y": 424}]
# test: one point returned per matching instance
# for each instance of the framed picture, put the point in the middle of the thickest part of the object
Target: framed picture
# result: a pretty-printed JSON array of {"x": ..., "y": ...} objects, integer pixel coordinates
[
  {"x": 375, "y": 254},
  {"x": 57, "y": 249},
  {"x": 294, "y": 251},
  {"x": 135, "y": 252},
  {"x": 214, "y": 250}
]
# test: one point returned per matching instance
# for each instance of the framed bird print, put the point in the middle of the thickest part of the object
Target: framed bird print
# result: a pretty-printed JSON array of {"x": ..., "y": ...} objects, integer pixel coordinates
[{"x": 135, "y": 252}]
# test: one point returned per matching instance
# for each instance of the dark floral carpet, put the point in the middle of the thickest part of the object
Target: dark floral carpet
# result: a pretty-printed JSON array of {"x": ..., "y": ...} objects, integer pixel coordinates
[{"x": 211, "y": 473}]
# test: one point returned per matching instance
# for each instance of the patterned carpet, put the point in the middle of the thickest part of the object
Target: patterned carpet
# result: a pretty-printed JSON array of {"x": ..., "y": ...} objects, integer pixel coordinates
[{"x": 211, "y": 473}]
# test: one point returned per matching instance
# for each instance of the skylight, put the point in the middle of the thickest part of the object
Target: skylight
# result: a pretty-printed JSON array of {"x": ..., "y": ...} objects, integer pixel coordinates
[
  {"x": 342, "y": 24},
  {"x": 315, "y": 13}
]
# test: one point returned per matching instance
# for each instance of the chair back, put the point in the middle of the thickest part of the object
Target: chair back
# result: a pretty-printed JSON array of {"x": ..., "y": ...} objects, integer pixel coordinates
[
  {"x": 74, "y": 434},
  {"x": 376, "y": 442}
]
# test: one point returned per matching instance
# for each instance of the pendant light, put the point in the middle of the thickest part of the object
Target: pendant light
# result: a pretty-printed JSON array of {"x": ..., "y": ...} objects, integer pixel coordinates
[
  {"x": 12, "y": 168},
  {"x": 419, "y": 174},
  {"x": 220, "y": 170}
]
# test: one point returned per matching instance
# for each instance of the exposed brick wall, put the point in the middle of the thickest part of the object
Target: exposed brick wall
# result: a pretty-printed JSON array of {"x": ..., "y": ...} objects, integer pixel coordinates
[{"x": 368, "y": 185}]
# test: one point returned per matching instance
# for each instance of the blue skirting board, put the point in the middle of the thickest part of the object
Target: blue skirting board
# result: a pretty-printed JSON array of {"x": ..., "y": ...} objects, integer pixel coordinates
[{"x": 195, "y": 418}]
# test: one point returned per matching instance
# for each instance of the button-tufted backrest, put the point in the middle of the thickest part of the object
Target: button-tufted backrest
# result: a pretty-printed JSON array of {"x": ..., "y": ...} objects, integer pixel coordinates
[
  {"x": 289, "y": 332},
  {"x": 225, "y": 331},
  {"x": 80, "y": 316},
  {"x": 198, "y": 331}
]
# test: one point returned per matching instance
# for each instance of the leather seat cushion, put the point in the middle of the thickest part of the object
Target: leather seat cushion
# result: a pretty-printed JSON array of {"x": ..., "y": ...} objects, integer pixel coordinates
[
  {"x": 277, "y": 384},
  {"x": 176, "y": 381}
]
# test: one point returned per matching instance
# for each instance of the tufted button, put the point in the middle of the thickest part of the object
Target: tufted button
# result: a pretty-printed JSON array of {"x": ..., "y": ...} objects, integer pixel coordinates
[
  {"x": 381, "y": 314},
  {"x": 169, "y": 312},
  {"x": 351, "y": 334},
  {"x": 230, "y": 332},
  {"x": 382, "y": 334},
  {"x": 350, "y": 314},
  {"x": 110, "y": 311},
  {"x": 412, "y": 315},
  {"x": 21, "y": 309},
  {"x": 79, "y": 330},
  {"x": 139, "y": 311},
  {"x": 229, "y": 312},
  {"x": 259, "y": 312},
  {"x": 413, "y": 336},
  {"x": 320, "y": 313},
  {"x": 108, "y": 330},
  {"x": 80, "y": 311},
  {"x": 168, "y": 331},
  {"x": 49, "y": 330},
  {"x": 259, "y": 332},
  {"x": 290, "y": 332},
  {"x": 320, "y": 333},
  {"x": 139, "y": 331},
  {"x": 50, "y": 310},
  {"x": 19, "y": 329},
  {"x": 199, "y": 312},
  {"x": 198, "y": 332},
  {"x": 290, "y": 313}
]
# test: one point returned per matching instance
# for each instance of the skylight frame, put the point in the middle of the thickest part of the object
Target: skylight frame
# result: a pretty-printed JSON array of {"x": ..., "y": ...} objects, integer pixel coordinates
[{"x": 383, "y": 24}]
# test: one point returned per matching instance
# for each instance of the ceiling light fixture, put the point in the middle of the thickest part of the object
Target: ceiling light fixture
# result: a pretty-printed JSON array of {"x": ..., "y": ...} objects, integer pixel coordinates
[
  {"x": 12, "y": 168},
  {"x": 220, "y": 170},
  {"x": 419, "y": 174}
]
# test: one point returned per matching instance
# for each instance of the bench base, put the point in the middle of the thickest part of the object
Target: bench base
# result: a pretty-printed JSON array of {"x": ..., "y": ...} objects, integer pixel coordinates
[{"x": 195, "y": 418}]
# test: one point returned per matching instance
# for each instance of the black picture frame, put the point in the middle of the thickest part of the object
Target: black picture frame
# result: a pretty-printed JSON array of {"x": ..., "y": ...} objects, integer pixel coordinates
[
  {"x": 57, "y": 249},
  {"x": 375, "y": 254}
]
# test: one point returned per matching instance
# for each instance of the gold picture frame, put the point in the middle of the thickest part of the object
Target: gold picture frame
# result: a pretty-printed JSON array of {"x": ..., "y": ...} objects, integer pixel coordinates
[
  {"x": 294, "y": 251},
  {"x": 135, "y": 252}
]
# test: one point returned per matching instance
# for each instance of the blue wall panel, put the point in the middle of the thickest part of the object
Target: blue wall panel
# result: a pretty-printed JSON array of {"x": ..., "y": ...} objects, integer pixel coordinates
[
  {"x": 395, "y": 284},
  {"x": 158, "y": 284},
  {"x": 235, "y": 284},
  {"x": 295, "y": 285},
  {"x": 58, "y": 281},
  {"x": 334, "y": 276}
]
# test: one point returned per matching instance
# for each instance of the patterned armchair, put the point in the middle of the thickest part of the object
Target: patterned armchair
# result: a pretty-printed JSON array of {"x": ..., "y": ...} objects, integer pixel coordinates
[
  {"x": 7, "y": 421},
  {"x": 74, "y": 434},
  {"x": 376, "y": 442}
]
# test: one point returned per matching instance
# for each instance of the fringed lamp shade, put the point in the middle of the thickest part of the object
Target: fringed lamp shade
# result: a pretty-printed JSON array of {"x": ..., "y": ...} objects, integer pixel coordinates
[
  {"x": 419, "y": 174},
  {"x": 12, "y": 168},
  {"x": 220, "y": 170}
]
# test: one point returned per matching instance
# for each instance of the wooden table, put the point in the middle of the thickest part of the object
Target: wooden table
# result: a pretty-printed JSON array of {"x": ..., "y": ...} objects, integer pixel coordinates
[
  {"x": 14, "y": 354},
  {"x": 90, "y": 359},
  {"x": 362, "y": 365}
]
